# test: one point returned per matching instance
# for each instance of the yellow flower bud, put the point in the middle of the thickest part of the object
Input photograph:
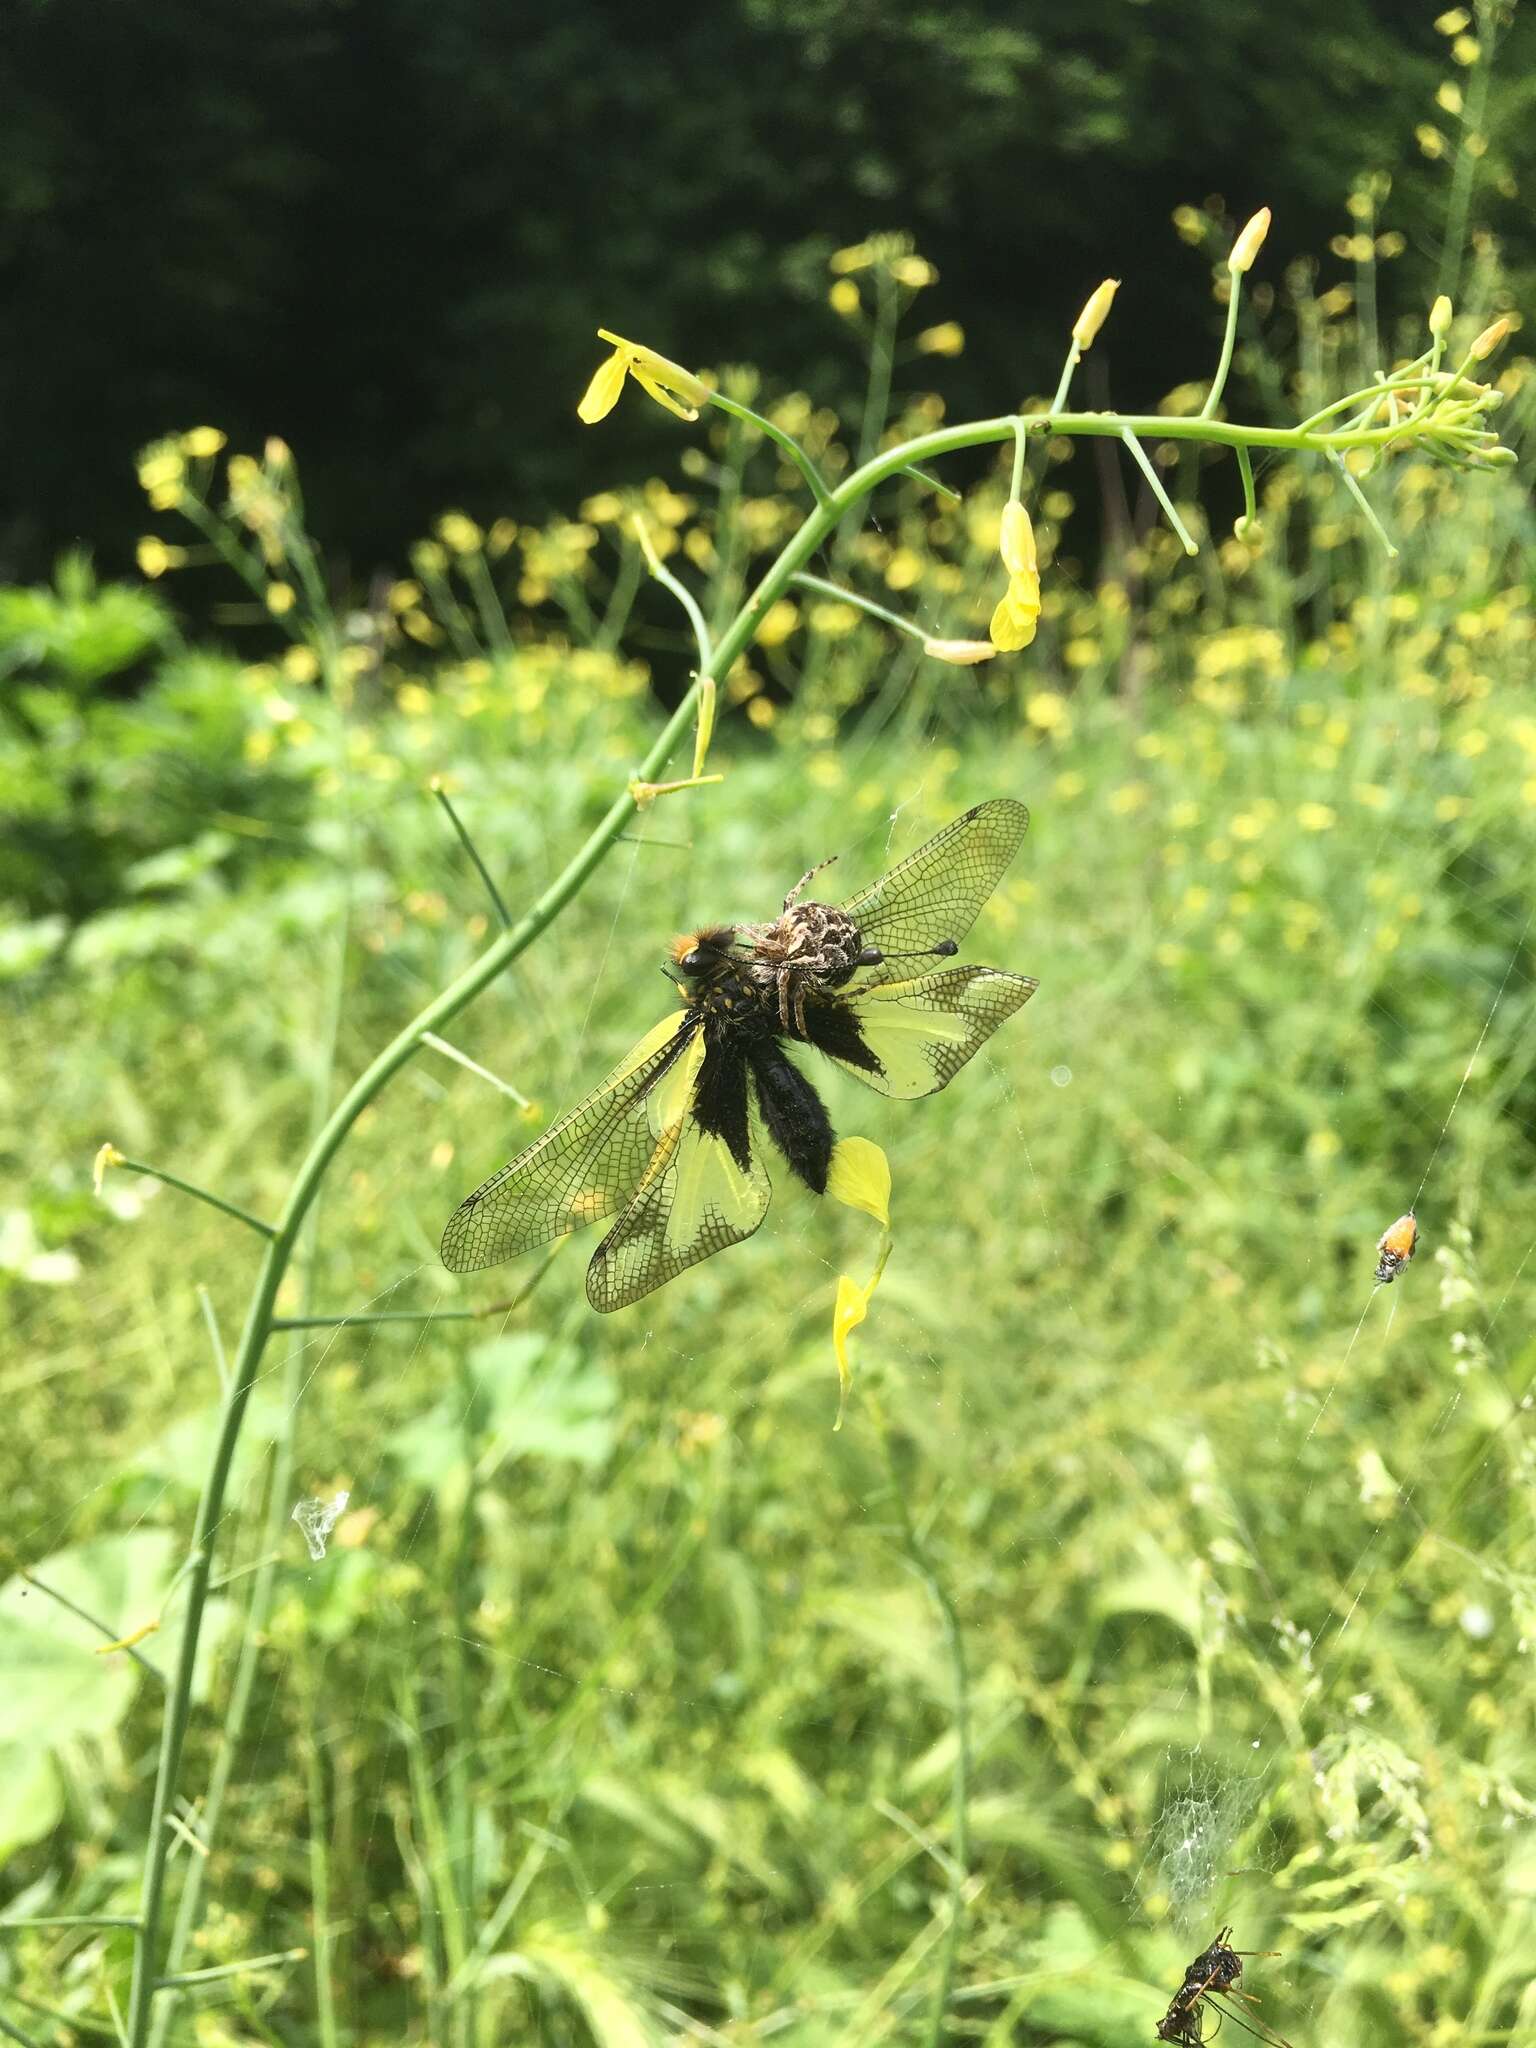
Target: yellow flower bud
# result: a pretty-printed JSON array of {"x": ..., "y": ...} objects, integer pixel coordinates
[
  {"x": 959, "y": 653},
  {"x": 107, "y": 1156},
  {"x": 857, "y": 256},
  {"x": 1095, "y": 313},
  {"x": 843, "y": 297},
  {"x": 280, "y": 598},
  {"x": 1440, "y": 318},
  {"x": 1016, "y": 541},
  {"x": 460, "y": 532},
  {"x": 201, "y": 442},
  {"x": 154, "y": 557},
  {"x": 1249, "y": 242},
  {"x": 1490, "y": 339},
  {"x": 915, "y": 272},
  {"x": 947, "y": 339}
]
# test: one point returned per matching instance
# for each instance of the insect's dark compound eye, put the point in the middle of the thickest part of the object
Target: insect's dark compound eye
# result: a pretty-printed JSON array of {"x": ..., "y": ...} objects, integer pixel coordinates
[
  {"x": 692, "y": 961},
  {"x": 870, "y": 957}
]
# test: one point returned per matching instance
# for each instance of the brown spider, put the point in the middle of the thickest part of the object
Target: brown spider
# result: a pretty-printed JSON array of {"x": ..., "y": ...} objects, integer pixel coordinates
[{"x": 809, "y": 949}]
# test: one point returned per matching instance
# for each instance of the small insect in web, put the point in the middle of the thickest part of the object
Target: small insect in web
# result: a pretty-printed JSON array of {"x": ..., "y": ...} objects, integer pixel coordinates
[
  {"x": 1209, "y": 1982},
  {"x": 1396, "y": 1247},
  {"x": 671, "y": 1141}
]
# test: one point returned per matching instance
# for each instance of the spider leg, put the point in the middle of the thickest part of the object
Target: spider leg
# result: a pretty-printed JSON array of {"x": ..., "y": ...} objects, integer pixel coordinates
[{"x": 810, "y": 874}]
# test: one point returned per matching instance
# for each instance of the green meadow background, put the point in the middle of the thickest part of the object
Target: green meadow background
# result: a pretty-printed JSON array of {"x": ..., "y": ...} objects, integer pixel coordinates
[{"x": 629, "y": 1702}]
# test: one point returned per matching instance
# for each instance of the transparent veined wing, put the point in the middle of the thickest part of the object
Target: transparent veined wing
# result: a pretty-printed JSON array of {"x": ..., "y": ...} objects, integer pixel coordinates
[
  {"x": 588, "y": 1164},
  {"x": 910, "y": 1038},
  {"x": 937, "y": 892},
  {"x": 704, "y": 1188}
]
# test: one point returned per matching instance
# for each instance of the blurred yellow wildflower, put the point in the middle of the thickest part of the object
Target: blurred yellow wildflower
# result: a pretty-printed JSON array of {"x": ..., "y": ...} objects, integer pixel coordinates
[
  {"x": 202, "y": 442},
  {"x": 947, "y": 339},
  {"x": 1312, "y": 817},
  {"x": 154, "y": 557},
  {"x": 459, "y": 532},
  {"x": 843, "y": 297},
  {"x": 1047, "y": 710},
  {"x": 281, "y": 598},
  {"x": 857, "y": 256},
  {"x": 915, "y": 272},
  {"x": 667, "y": 382}
]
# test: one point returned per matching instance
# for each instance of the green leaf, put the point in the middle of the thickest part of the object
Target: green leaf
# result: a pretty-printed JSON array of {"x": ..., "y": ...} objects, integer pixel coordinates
[{"x": 56, "y": 1686}]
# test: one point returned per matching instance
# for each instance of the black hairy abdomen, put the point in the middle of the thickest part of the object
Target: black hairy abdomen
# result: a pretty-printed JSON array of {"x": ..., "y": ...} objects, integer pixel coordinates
[
  {"x": 720, "y": 1098},
  {"x": 794, "y": 1115},
  {"x": 833, "y": 1029}
]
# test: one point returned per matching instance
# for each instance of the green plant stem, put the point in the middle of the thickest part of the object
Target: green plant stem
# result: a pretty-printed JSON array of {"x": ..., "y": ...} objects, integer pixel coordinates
[
  {"x": 72, "y": 1920},
  {"x": 1064, "y": 382},
  {"x": 682, "y": 593},
  {"x": 777, "y": 435},
  {"x": 1245, "y": 470},
  {"x": 1365, "y": 505},
  {"x": 1149, "y": 471},
  {"x": 101, "y": 1627},
  {"x": 960, "y": 1826},
  {"x": 15, "y": 2034},
  {"x": 1228, "y": 340},
  {"x": 835, "y": 591},
  {"x": 462, "y": 1059},
  {"x": 390, "y": 1315},
  {"x": 186, "y": 1187},
  {"x": 320, "y": 1883},
  {"x": 503, "y": 915},
  {"x": 217, "y": 1970}
]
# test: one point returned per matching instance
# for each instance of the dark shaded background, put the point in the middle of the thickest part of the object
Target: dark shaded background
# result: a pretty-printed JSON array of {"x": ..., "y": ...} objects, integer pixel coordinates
[{"x": 386, "y": 230}]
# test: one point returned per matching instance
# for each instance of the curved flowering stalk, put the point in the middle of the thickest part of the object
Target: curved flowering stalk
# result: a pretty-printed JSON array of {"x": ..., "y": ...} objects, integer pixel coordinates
[{"x": 1441, "y": 413}]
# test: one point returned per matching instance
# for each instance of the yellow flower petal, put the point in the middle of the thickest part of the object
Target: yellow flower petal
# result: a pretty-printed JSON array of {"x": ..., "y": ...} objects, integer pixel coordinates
[
  {"x": 1016, "y": 541},
  {"x": 660, "y": 369},
  {"x": 1015, "y": 619},
  {"x": 860, "y": 1175},
  {"x": 602, "y": 394},
  {"x": 662, "y": 396},
  {"x": 107, "y": 1156},
  {"x": 851, "y": 1308}
]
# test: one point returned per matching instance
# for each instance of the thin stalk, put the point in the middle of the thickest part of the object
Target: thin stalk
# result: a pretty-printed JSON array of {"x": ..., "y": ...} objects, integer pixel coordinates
[
  {"x": 681, "y": 592},
  {"x": 113, "y": 1636},
  {"x": 215, "y": 1337},
  {"x": 1074, "y": 357},
  {"x": 960, "y": 1825},
  {"x": 1464, "y": 178},
  {"x": 503, "y": 915},
  {"x": 15, "y": 2034},
  {"x": 242, "y": 1969},
  {"x": 1020, "y": 453},
  {"x": 1149, "y": 471},
  {"x": 1245, "y": 470},
  {"x": 71, "y": 1920},
  {"x": 320, "y": 1886},
  {"x": 187, "y": 1187},
  {"x": 777, "y": 435},
  {"x": 1365, "y": 505},
  {"x": 1228, "y": 339},
  {"x": 391, "y": 1315},
  {"x": 462, "y": 1059},
  {"x": 823, "y": 588}
]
